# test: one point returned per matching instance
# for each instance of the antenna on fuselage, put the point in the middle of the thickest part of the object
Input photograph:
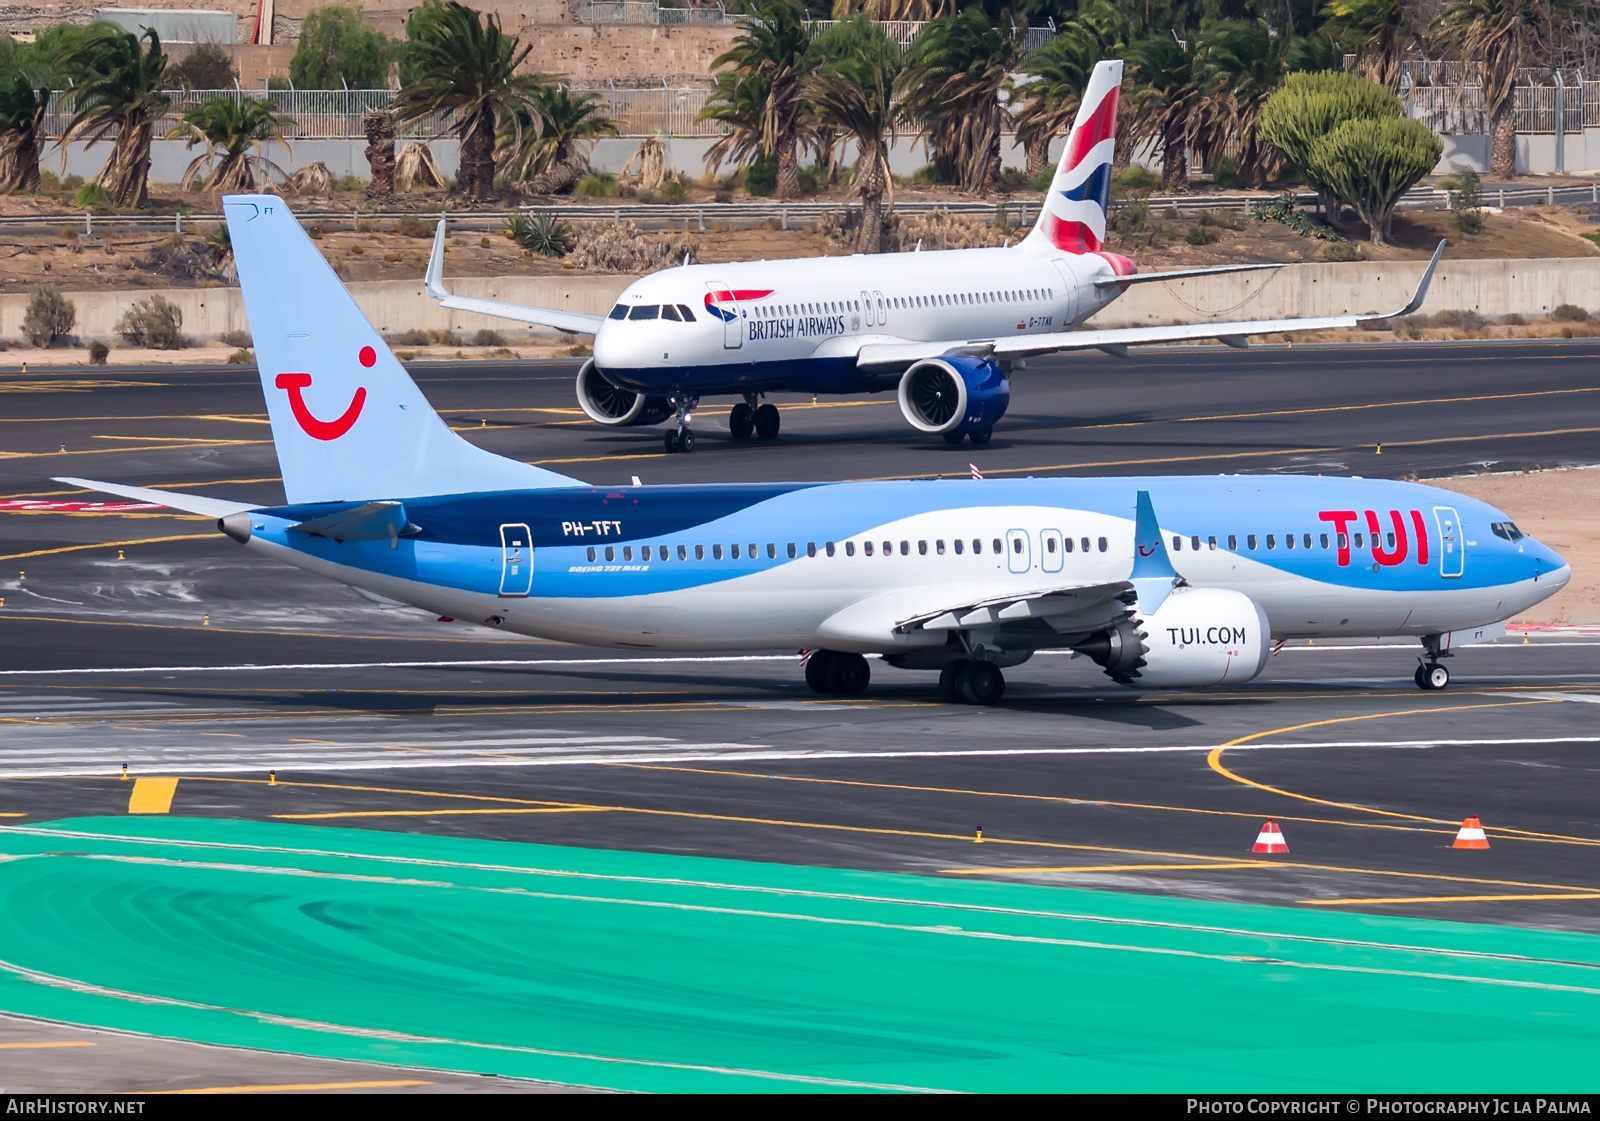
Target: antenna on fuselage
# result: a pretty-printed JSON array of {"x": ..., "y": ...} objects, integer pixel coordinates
[{"x": 918, "y": 249}]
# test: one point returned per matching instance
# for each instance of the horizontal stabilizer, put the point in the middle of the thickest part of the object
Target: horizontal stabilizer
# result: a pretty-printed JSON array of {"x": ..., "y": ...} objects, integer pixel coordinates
[
  {"x": 433, "y": 281},
  {"x": 1181, "y": 274},
  {"x": 371, "y": 521},
  {"x": 188, "y": 503}
]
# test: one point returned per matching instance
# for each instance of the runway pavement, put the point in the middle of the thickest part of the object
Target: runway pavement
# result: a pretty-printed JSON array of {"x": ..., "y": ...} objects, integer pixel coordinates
[{"x": 146, "y": 639}]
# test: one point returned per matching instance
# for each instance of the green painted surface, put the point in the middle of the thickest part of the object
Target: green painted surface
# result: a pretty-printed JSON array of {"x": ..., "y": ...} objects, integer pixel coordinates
[{"x": 648, "y": 972}]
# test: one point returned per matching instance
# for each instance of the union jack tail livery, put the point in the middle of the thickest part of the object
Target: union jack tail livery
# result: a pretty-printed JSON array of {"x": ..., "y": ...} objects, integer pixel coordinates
[{"x": 1074, "y": 215}]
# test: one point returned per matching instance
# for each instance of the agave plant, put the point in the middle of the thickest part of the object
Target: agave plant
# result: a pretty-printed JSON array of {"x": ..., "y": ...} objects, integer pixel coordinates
[
  {"x": 234, "y": 133},
  {"x": 542, "y": 233}
]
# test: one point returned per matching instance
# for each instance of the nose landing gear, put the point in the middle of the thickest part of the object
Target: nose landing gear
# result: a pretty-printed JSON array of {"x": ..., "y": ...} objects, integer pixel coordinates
[
  {"x": 681, "y": 438},
  {"x": 1431, "y": 674}
]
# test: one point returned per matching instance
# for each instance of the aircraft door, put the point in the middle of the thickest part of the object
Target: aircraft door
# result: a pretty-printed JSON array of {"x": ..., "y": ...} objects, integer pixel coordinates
[
  {"x": 1051, "y": 555},
  {"x": 866, "y": 306},
  {"x": 726, "y": 308},
  {"x": 883, "y": 309},
  {"x": 1452, "y": 558},
  {"x": 516, "y": 560},
  {"x": 1067, "y": 298},
  {"x": 1019, "y": 550}
]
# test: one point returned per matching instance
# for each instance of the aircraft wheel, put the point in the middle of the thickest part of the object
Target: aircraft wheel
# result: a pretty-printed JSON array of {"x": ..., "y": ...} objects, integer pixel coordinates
[
  {"x": 848, "y": 674},
  {"x": 983, "y": 435},
  {"x": 671, "y": 441},
  {"x": 1432, "y": 677},
  {"x": 817, "y": 670},
  {"x": 741, "y": 421},
  {"x": 954, "y": 438},
  {"x": 981, "y": 683},
  {"x": 686, "y": 440},
  {"x": 767, "y": 421},
  {"x": 947, "y": 681}
]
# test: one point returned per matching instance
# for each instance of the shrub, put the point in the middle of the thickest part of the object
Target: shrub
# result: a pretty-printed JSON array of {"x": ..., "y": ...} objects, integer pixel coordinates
[
  {"x": 761, "y": 176},
  {"x": 673, "y": 191},
  {"x": 1131, "y": 179},
  {"x": 1132, "y": 217},
  {"x": 1463, "y": 318},
  {"x": 1466, "y": 200},
  {"x": 597, "y": 184},
  {"x": 1013, "y": 179},
  {"x": 337, "y": 49},
  {"x": 1226, "y": 174},
  {"x": 540, "y": 233},
  {"x": 70, "y": 233},
  {"x": 1513, "y": 320},
  {"x": 723, "y": 194},
  {"x": 929, "y": 176},
  {"x": 152, "y": 323},
  {"x": 413, "y": 337},
  {"x": 351, "y": 183},
  {"x": 356, "y": 249},
  {"x": 809, "y": 178},
  {"x": 412, "y": 227},
  {"x": 391, "y": 257},
  {"x": 1201, "y": 235},
  {"x": 1042, "y": 181},
  {"x": 49, "y": 180},
  {"x": 438, "y": 337},
  {"x": 484, "y": 243},
  {"x": 363, "y": 227},
  {"x": 72, "y": 183},
  {"x": 239, "y": 339},
  {"x": 1569, "y": 313},
  {"x": 1220, "y": 220},
  {"x": 241, "y": 358},
  {"x": 314, "y": 233},
  {"x": 98, "y": 353},
  {"x": 487, "y": 336},
  {"x": 1342, "y": 251},
  {"x": 92, "y": 196},
  {"x": 49, "y": 316}
]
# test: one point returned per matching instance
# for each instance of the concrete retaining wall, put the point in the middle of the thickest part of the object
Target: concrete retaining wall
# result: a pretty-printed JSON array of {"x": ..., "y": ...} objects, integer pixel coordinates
[{"x": 1491, "y": 288}]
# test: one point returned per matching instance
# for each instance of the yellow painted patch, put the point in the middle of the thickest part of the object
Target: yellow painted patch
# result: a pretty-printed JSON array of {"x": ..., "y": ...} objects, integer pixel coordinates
[
  {"x": 37, "y": 1046},
  {"x": 298, "y": 1087},
  {"x": 152, "y": 795}
]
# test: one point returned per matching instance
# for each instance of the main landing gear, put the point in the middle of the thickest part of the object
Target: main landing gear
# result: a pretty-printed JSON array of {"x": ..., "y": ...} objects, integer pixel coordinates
[
  {"x": 981, "y": 437},
  {"x": 971, "y": 683},
  {"x": 832, "y": 671},
  {"x": 748, "y": 417}
]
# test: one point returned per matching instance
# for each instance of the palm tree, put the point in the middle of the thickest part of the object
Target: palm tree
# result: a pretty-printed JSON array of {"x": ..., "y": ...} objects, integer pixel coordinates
[
  {"x": 1501, "y": 35},
  {"x": 120, "y": 97},
  {"x": 234, "y": 132},
  {"x": 466, "y": 65},
  {"x": 1165, "y": 103},
  {"x": 774, "y": 45},
  {"x": 737, "y": 102},
  {"x": 853, "y": 91},
  {"x": 22, "y": 110},
  {"x": 1379, "y": 31},
  {"x": 951, "y": 85},
  {"x": 554, "y": 152},
  {"x": 895, "y": 9},
  {"x": 1239, "y": 63},
  {"x": 1046, "y": 102}
]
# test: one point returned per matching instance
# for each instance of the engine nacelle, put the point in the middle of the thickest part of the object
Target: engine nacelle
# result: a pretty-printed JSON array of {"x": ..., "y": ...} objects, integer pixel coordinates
[
  {"x": 614, "y": 406},
  {"x": 954, "y": 394},
  {"x": 1197, "y": 637}
]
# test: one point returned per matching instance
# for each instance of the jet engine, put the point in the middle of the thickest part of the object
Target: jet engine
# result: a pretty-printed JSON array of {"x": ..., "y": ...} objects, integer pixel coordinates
[
  {"x": 1198, "y": 636},
  {"x": 617, "y": 407},
  {"x": 954, "y": 396}
]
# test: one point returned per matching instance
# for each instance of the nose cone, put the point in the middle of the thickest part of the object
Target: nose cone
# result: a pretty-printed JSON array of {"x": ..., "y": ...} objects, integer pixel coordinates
[
  {"x": 1550, "y": 569},
  {"x": 610, "y": 349}
]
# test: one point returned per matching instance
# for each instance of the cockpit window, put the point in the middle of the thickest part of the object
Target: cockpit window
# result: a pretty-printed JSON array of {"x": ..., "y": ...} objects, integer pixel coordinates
[
  {"x": 645, "y": 311},
  {"x": 688, "y": 316},
  {"x": 618, "y": 312},
  {"x": 1508, "y": 530},
  {"x": 669, "y": 312}
]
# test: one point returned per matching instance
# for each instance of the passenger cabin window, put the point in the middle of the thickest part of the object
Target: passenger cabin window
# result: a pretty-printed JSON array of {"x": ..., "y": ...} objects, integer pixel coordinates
[
  {"x": 699, "y": 552},
  {"x": 938, "y": 547},
  {"x": 772, "y": 551},
  {"x": 922, "y": 549},
  {"x": 1251, "y": 541},
  {"x": 1233, "y": 541},
  {"x": 611, "y": 554},
  {"x": 793, "y": 552},
  {"x": 811, "y": 549},
  {"x": 866, "y": 548},
  {"x": 1359, "y": 545},
  {"x": 1102, "y": 544},
  {"x": 1211, "y": 543},
  {"x": 1344, "y": 540},
  {"x": 849, "y": 548},
  {"x": 1272, "y": 541},
  {"x": 997, "y": 546},
  {"x": 627, "y": 552},
  {"x": 619, "y": 312},
  {"x": 960, "y": 546},
  {"x": 1177, "y": 544},
  {"x": 1066, "y": 545},
  {"x": 829, "y": 548},
  {"x": 1324, "y": 541},
  {"x": 1288, "y": 541},
  {"x": 716, "y": 552},
  {"x": 645, "y": 311},
  {"x": 591, "y": 553}
]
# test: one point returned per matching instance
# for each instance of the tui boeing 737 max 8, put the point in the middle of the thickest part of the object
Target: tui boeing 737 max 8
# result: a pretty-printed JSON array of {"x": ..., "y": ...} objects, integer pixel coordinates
[
  {"x": 1164, "y": 582},
  {"x": 945, "y": 328}
]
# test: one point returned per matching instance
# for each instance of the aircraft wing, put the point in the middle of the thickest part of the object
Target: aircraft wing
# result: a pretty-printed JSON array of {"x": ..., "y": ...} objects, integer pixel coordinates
[
  {"x": 188, "y": 503},
  {"x": 1068, "y": 609},
  {"x": 1118, "y": 340},
  {"x": 433, "y": 282},
  {"x": 1181, "y": 274}
]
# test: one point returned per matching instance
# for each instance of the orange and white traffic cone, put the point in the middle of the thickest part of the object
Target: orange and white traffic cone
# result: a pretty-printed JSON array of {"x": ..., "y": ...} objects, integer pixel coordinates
[
  {"x": 1471, "y": 835},
  {"x": 1271, "y": 839}
]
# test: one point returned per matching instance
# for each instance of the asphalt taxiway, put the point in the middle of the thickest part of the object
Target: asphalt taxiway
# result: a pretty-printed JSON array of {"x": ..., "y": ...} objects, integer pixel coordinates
[{"x": 145, "y": 639}]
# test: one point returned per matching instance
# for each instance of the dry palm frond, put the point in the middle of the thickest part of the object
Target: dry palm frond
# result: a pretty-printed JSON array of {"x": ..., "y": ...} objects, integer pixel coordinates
[
  {"x": 653, "y": 159},
  {"x": 417, "y": 167},
  {"x": 312, "y": 179}
]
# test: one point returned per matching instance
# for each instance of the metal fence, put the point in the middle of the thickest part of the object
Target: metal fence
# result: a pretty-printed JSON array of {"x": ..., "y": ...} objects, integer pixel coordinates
[
  {"x": 1448, "y": 110},
  {"x": 636, "y": 11},
  {"x": 1537, "y": 107},
  {"x": 904, "y": 31},
  {"x": 672, "y": 112}
]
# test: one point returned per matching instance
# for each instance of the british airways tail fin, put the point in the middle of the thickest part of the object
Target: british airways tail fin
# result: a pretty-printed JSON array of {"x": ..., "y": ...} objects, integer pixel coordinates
[
  {"x": 347, "y": 420},
  {"x": 1073, "y": 218}
]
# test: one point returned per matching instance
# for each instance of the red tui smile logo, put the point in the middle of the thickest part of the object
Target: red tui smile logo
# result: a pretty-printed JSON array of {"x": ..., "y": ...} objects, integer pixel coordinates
[{"x": 324, "y": 429}]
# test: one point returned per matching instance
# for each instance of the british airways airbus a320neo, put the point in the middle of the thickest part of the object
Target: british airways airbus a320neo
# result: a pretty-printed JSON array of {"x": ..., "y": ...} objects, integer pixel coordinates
[
  {"x": 948, "y": 328},
  {"x": 1164, "y": 582}
]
